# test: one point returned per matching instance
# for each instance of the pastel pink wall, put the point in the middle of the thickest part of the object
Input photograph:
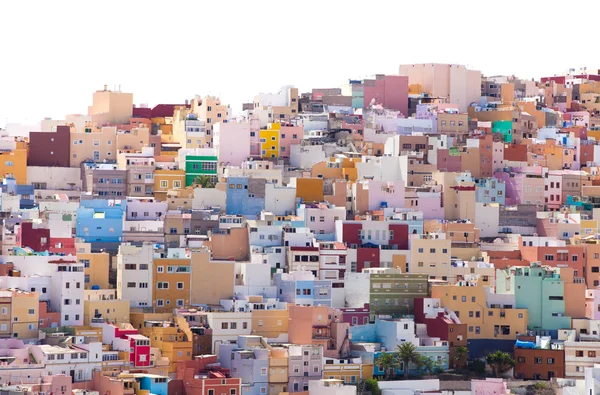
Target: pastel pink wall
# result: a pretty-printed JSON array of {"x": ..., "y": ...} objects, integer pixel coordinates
[
  {"x": 430, "y": 205},
  {"x": 377, "y": 194},
  {"x": 391, "y": 91},
  {"x": 553, "y": 194},
  {"x": 286, "y": 142}
]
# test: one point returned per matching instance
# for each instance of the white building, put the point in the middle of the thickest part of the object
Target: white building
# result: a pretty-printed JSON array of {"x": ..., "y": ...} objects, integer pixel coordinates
[
  {"x": 253, "y": 279},
  {"x": 134, "y": 274},
  {"x": 227, "y": 326},
  {"x": 330, "y": 387},
  {"x": 79, "y": 359}
]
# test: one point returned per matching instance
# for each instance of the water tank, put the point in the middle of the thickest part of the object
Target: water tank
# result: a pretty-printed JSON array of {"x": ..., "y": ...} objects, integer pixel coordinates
[{"x": 95, "y": 287}]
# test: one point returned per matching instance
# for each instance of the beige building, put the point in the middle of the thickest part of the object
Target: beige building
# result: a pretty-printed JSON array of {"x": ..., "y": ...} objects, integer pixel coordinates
[
  {"x": 103, "y": 304},
  {"x": 111, "y": 107},
  {"x": 210, "y": 289},
  {"x": 93, "y": 143},
  {"x": 580, "y": 355},
  {"x": 278, "y": 370},
  {"x": 431, "y": 254},
  {"x": 133, "y": 140},
  {"x": 458, "y": 195}
]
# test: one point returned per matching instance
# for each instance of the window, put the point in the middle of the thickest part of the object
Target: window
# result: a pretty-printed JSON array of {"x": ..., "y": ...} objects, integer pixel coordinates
[
  {"x": 224, "y": 325},
  {"x": 579, "y": 354},
  {"x": 160, "y": 269},
  {"x": 179, "y": 285},
  {"x": 130, "y": 285},
  {"x": 521, "y": 359},
  {"x": 164, "y": 184},
  {"x": 591, "y": 354}
]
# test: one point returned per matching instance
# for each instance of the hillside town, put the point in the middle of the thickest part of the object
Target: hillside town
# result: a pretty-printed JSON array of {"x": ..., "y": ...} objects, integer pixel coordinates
[{"x": 431, "y": 231}]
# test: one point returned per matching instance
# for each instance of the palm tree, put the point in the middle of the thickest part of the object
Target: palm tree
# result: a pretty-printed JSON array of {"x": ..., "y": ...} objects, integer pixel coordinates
[
  {"x": 501, "y": 362},
  {"x": 407, "y": 354},
  {"x": 426, "y": 364},
  {"x": 386, "y": 362},
  {"x": 204, "y": 181},
  {"x": 460, "y": 357}
]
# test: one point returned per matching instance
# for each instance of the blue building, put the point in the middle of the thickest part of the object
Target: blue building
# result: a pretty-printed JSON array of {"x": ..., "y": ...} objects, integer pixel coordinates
[
  {"x": 26, "y": 193},
  {"x": 100, "y": 220},
  {"x": 302, "y": 288},
  {"x": 155, "y": 384},
  {"x": 490, "y": 190},
  {"x": 245, "y": 196}
]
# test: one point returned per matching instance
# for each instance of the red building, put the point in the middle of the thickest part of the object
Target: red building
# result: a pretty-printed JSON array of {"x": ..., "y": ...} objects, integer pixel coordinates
[
  {"x": 50, "y": 149},
  {"x": 204, "y": 376},
  {"x": 441, "y": 323},
  {"x": 139, "y": 356},
  {"x": 62, "y": 245},
  {"x": 38, "y": 239},
  {"x": 356, "y": 316}
]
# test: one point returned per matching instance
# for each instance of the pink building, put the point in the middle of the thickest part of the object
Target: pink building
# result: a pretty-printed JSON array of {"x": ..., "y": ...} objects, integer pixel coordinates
[
  {"x": 489, "y": 386},
  {"x": 356, "y": 316},
  {"x": 592, "y": 304},
  {"x": 447, "y": 162},
  {"x": 382, "y": 194},
  {"x": 391, "y": 91},
  {"x": 430, "y": 203},
  {"x": 232, "y": 142},
  {"x": 321, "y": 217},
  {"x": 553, "y": 191},
  {"x": 59, "y": 384},
  {"x": 289, "y": 135}
]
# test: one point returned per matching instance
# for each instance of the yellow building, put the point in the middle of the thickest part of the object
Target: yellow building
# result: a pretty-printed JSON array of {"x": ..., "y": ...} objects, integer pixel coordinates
[
  {"x": 269, "y": 141},
  {"x": 14, "y": 163},
  {"x": 170, "y": 340},
  {"x": 269, "y": 323},
  {"x": 167, "y": 180},
  {"x": 96, "y": 267},
  {"x": 171, "y": 286},
  {"x": 349, "y": 373},
  {"x": 483, "y": 322},
  {"x": 19, "y": 314},
  {"x": 103, "y": 303},
  {"x": 310, "y": 189}
]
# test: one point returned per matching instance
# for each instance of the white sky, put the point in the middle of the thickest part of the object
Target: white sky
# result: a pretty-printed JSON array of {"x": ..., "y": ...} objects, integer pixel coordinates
[{"x": 54, "y": 54}]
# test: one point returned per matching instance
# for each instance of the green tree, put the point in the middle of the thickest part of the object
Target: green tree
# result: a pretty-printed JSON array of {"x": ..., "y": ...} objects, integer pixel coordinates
[
  {"x": 460, "y": 357},
  {"x": 500, "y": 362},
  {"x": 204, "y": 181},
  {"x": 386, "y": 362},
  {"x": 372, "y": 386},
  {"x": 426, "y": 364},
  {"x": 407, "y": 354}
]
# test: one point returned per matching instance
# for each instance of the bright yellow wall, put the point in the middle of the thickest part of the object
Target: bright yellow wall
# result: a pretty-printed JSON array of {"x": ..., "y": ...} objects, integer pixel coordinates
[
  {"x": 18, "y": 168},
  {"x": 269, "y": 138}
]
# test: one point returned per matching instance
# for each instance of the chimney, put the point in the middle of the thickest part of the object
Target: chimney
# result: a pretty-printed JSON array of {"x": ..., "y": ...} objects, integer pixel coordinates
[{"x": 105, "y": 87}]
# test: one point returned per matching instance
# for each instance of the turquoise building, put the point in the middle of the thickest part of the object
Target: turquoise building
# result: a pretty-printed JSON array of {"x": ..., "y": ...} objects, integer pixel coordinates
[
  {"x": 505, "y": 128},
  {"x": 540, "y": 290}
]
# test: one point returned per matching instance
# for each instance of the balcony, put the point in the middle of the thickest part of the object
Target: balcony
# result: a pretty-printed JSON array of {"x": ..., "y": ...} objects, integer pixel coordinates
[{"x": 321, "y": 332}]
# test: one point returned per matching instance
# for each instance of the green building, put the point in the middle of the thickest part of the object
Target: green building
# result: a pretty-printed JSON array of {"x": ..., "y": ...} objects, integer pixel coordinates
[
  {"x": 540, "y": 290},
  {"x": 392, "y": 292},
  {"x": 198, "y": 162},
  {"x": 505, "y": 128}
]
